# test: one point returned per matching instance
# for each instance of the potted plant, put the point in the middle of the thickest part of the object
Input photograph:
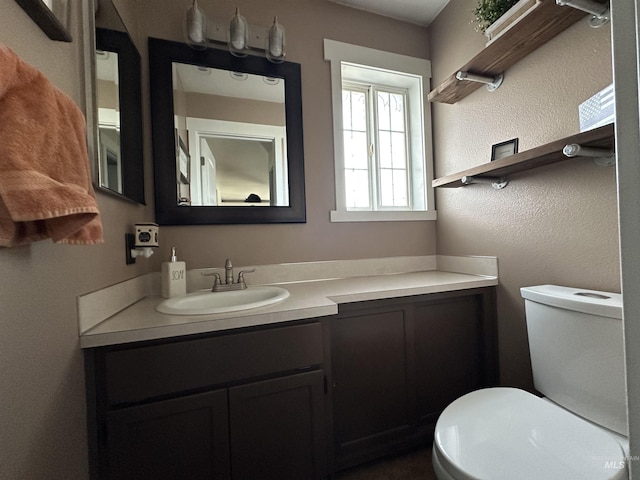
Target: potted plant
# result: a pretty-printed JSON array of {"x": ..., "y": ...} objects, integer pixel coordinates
[{"x": 493, "y": 17}]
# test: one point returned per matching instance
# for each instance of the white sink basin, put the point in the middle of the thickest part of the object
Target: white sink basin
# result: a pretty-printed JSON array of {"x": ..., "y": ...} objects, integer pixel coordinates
[{"x": 206, "y": 302}]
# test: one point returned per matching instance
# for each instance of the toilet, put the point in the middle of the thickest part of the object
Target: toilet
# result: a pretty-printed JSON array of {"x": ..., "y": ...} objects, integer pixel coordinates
[{"x": 578, "y": 430}]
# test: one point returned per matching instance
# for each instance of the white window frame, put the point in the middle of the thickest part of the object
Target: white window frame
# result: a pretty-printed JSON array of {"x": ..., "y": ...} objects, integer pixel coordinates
[{"x": 339, "y": 54}]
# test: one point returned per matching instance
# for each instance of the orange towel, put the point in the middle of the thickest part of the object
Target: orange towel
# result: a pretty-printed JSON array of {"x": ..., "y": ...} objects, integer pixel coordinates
[{"x": 45, "y": 182}]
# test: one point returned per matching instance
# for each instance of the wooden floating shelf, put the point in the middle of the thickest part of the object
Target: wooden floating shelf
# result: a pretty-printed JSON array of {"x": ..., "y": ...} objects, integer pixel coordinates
[
  {"x": 602, "y": 137},
  {"x": 538, "y": 27}
]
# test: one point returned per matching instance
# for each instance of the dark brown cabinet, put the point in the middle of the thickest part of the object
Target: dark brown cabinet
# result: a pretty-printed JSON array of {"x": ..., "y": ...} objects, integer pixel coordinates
[
  {"x": 235, "y": 406},
  {"x": 289, "y": 401},
  {"x": 277, "y": 428},
  {"x": 453, "y": 343},
  {"x": 395, "y": 365},
  {"x": 369, "y": 380},
  {"x": 178, "y": 438}
]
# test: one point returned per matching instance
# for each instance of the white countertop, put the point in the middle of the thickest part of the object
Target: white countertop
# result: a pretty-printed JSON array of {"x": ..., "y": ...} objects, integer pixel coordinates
[{"x": 308, "y": 299}]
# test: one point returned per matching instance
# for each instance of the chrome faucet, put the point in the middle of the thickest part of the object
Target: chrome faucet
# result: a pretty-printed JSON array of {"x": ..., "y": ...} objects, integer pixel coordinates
[{"x": 229, "y": 283}]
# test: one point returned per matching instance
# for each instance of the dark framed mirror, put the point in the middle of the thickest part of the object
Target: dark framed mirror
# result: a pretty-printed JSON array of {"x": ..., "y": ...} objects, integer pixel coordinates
[
  {"x": 50, "y": 15},
  {"x": 114, "y": 106},
  {"x": 227, "y": 137},
  {"x": 118, "y": 94}
]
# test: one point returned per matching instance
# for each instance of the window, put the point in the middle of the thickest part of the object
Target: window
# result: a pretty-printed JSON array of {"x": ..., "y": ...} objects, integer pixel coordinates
[
  {"x": 382, "y": 142},
  {"x": 375, "y": 148}
]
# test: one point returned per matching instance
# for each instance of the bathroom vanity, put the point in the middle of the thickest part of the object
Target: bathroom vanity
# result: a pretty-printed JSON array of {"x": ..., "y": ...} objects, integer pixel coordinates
[
  {"x": 293, "y": 397},
  {"x": 241, "y": 405},
  {"x": 397, "y": 363}
]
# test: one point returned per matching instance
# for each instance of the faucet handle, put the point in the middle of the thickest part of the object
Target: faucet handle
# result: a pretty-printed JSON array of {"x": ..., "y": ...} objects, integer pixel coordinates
[
  {"x": 241, "y": 276},
  {"x": 217, "y": 280}
]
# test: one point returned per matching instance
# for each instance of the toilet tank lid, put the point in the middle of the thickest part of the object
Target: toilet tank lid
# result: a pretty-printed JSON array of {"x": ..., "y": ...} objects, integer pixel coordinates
[{"x": 593, "y": 302}]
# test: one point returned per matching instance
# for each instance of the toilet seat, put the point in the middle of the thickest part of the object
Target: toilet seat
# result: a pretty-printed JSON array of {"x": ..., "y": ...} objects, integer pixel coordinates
[{"x": 507, "y": 434}]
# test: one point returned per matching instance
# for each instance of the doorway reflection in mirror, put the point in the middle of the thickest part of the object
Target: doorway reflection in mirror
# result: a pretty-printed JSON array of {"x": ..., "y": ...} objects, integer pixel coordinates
[
  {"x": 235, "y": 126},
  {"x": 183, "y": 169},
  {"x": 108, "y": 100}
]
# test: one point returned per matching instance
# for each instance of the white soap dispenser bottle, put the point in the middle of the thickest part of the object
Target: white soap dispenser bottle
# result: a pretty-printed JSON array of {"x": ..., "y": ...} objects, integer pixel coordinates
[{"x": 174, "y": 277}]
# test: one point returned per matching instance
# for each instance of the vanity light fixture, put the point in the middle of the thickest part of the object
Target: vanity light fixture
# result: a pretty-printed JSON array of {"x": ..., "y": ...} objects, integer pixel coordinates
[
  {"x": 238, "y": 38},
  {"x": 492, "y": 82},
  {"x": 196, "y": 27},
  {"x": 238, "y": 35},
  {"x": 600, "y": 13},
  {"x": 275, "y": 42}
]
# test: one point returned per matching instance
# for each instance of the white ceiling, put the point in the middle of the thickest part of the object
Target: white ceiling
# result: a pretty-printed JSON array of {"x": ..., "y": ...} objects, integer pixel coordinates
[{"x": 420, "y": 12}]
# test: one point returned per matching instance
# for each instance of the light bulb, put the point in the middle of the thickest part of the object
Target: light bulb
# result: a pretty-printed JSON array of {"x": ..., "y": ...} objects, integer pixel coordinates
[
  {"x": 238, "y": 35},
  {"x": 275, "y": 42},
  {"x": 196, "y": 27}
]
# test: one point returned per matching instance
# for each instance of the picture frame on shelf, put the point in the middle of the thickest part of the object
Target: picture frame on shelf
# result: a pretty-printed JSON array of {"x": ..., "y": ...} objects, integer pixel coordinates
[{"x": 504, "y": 149}]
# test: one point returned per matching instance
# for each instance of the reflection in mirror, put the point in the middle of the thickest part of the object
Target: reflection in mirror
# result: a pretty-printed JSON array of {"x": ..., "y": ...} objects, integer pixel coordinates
[
  {"x": 227, "y": 136},
  {"x": 52, "y": 16},
  {"x": 119, "y": 108},
  {"x": 109, "y": 156},
  {"x": 235, "y": 124}
]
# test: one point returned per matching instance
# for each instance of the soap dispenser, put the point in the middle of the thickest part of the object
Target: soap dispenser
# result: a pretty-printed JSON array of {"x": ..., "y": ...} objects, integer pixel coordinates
[{"x": 174, "y": 277}]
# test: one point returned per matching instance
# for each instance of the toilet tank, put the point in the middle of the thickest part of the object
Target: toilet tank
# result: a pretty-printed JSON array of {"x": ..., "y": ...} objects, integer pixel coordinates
[{"x": 577, "y": 351}]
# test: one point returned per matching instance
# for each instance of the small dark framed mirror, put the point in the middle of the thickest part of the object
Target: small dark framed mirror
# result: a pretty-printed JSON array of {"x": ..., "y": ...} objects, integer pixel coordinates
[
  {"x": 227, "y": 137},
  {"x": 51, "y": 16},
  {"x": 119, "y": 102}
]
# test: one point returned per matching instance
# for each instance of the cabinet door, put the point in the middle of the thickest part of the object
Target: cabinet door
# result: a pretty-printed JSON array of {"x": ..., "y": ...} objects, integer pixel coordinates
[
  {"x": 178, "y": 439},
  {"x": 447, "y": 338},
  {"x": 278, "y": 429},
  {"x": 369, "y": 373}
]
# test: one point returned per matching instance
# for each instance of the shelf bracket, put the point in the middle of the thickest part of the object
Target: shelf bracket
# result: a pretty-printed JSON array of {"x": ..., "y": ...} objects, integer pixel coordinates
[
  {"x": 603, "y": 157},
  {"x": 600, "y": 14},
  {"x": 492, "y": 82},
  {"x": 496, "y": 182}
]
